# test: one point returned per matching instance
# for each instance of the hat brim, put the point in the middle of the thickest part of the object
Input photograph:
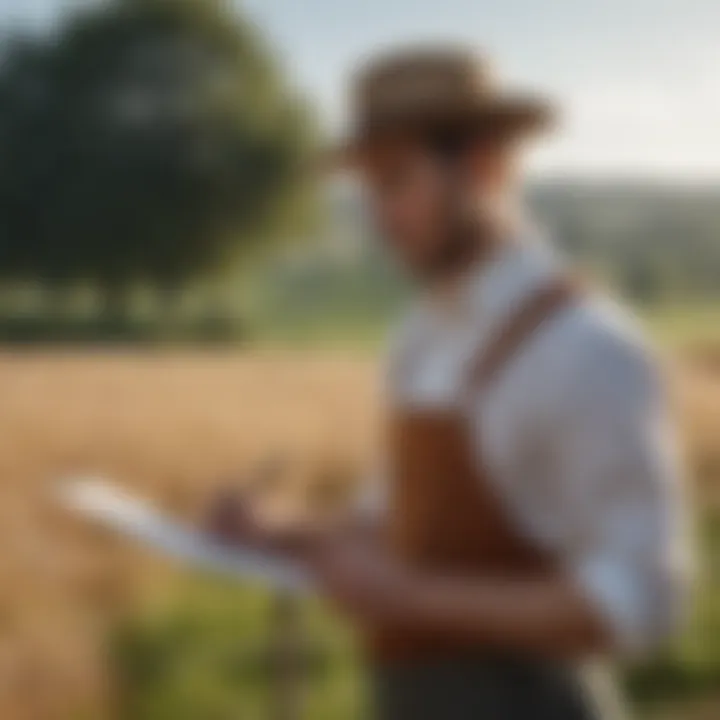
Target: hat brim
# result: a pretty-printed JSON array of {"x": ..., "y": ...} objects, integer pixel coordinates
[{"x": 505, "y": 118}]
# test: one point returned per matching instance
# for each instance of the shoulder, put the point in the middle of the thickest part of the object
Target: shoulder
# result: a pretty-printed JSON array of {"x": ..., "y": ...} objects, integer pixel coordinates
[
  {"x": 599, "y": 324},
  {"x": 596, "y": 351}
]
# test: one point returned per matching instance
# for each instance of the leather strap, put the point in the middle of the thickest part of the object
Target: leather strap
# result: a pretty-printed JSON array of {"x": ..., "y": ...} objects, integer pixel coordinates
[{"x": 541, "y": 306}]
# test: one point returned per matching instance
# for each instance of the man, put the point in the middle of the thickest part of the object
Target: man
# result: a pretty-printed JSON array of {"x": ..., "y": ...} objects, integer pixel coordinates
[{"x": 529, "y": 520}]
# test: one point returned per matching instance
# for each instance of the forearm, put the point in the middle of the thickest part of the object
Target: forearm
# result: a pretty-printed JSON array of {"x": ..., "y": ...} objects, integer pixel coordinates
[{"x": 547, "y": 617}]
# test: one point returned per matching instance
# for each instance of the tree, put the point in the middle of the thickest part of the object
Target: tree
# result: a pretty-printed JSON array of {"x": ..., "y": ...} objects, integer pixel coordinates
[{"x": 146, "y": 139}]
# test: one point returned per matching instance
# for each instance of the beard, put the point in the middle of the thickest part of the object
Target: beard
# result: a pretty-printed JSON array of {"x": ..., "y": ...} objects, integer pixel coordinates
[{"x": 474, "y": 232}]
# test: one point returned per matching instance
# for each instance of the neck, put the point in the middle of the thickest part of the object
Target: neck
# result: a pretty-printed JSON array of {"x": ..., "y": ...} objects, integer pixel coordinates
[{"x": 472, "y": 242}]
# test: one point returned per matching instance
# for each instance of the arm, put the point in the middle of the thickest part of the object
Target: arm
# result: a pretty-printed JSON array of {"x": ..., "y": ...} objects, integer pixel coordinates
[{"x": 544, "y": 616}]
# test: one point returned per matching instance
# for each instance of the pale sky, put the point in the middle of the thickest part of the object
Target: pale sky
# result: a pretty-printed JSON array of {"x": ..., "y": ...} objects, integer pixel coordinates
[{"x": 638, "y": 80}]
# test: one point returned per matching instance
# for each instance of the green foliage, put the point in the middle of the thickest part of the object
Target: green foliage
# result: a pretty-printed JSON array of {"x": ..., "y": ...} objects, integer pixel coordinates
[
  {"x": 692, "y": 668},
  {"x": 201, "y": 657},
  {"x": 209, "y": 656},
  {"x": 184, "y": 664},
  {"x": 655, "y": 242},
  {"x": 146, "y": 139}
]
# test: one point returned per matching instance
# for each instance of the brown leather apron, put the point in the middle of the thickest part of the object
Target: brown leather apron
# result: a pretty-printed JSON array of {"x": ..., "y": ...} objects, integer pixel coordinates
[{"x": 445, "y": 515}]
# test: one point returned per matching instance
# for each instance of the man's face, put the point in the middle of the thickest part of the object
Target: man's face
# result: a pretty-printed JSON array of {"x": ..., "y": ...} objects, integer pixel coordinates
[
  {"x": 408, "y": 195},
  {"x": 416, "y": 198}
]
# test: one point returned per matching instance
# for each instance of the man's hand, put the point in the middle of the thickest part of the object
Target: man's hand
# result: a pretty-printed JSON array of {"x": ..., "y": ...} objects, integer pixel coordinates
[
  {"x": 233, "y": 519},
  {"x": 230, "y": 519},
  {"x": 365, "y": 583}
]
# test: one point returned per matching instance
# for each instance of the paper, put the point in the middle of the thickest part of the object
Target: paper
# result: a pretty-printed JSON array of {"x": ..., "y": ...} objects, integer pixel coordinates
[{"x": 108, "y": 505}]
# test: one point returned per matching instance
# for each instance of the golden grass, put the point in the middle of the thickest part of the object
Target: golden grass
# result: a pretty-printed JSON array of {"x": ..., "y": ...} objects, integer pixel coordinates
[{"x": 173, "y": 426}]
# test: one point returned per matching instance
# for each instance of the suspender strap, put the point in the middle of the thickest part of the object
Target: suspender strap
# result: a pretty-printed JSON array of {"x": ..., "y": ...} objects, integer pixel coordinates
[{"x": 541, "y": 306}]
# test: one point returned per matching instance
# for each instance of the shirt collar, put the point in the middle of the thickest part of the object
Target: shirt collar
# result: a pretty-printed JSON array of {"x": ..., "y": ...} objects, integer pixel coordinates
[{"x": 489, "y": 290}]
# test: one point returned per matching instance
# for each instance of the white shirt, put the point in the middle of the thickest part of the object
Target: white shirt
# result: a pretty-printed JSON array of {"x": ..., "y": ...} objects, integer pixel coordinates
[{"x": 575, "y": 433}]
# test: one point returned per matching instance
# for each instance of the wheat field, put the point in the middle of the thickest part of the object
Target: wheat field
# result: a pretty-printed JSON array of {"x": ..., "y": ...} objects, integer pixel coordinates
[{"x": 175, "y": 426}]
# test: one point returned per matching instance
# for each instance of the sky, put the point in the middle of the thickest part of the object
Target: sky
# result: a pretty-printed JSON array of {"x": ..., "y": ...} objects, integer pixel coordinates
[{"x": 637, "y": 81}]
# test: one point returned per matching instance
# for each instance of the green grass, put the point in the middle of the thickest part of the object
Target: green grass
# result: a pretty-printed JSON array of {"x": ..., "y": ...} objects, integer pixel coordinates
[
  {"x": 670, "y": 325},
  {"x": 355, "y": 320},
  {"x": 684, "y": 324},
  {"x": 207, "y": 655},
  {"x": 326, "y": 331},
  {"x": 691, "y": 669}
]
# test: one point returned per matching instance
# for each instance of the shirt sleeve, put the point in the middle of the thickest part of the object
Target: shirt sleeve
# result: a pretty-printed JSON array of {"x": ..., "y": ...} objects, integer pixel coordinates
[{"x": 616, "y": 466}]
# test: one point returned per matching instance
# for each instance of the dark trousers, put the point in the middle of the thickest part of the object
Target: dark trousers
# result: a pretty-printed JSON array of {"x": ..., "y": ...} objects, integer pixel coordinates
[{"x": 480, "y": 689}]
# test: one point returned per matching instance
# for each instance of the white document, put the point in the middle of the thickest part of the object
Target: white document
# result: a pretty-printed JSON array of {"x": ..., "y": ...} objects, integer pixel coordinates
[{"x": 108, "y": 505}]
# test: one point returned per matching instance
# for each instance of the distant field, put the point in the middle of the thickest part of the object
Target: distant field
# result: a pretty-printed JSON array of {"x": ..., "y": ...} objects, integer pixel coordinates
[
  {"x": 173, "y": 426},
  {"x": 674, "y": 325}
]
